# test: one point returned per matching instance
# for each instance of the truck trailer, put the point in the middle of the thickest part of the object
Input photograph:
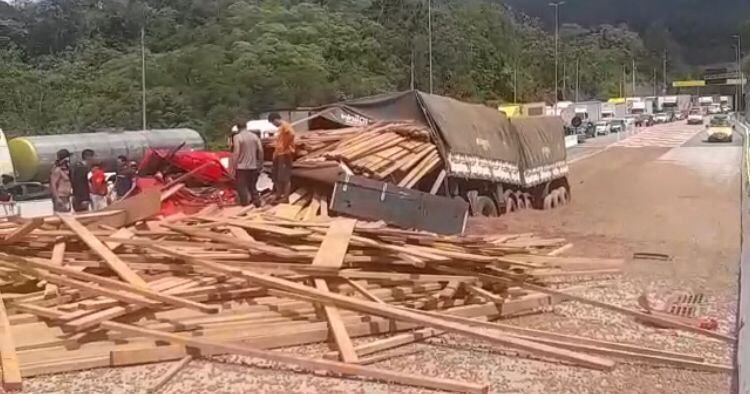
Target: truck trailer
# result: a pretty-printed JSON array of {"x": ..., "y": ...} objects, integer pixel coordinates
[{"x": 497, "y": 164}]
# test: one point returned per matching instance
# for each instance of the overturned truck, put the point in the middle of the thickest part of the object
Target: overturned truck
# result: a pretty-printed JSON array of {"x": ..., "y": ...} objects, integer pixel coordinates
[{"x": 497, "y": 164}]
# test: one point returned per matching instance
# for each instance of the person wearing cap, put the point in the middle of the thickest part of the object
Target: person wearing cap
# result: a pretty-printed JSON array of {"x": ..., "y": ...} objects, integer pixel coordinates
[{"x": 59, "y": 182}]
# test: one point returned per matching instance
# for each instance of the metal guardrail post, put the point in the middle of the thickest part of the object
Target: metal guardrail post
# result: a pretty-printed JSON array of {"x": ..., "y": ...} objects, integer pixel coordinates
[{"x": 741, "y": 378}]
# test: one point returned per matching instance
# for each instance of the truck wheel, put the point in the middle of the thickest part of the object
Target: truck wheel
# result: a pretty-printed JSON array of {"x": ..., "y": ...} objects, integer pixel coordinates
[
  {"x": 486, "y": 207},
  {"x": 547, "y": 202},
  {"x": 510, "y": 205},
  {"x": 528, "y": 200},
  {"x": 562, "y": 196},
  {"x": 520, "y": 202}
]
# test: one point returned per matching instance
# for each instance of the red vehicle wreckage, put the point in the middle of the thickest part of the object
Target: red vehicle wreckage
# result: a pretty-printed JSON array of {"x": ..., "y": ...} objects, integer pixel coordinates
[{"x": 189, "y": 180}]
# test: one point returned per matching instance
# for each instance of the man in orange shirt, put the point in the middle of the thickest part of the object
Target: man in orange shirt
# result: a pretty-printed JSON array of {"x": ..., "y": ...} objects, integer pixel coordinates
[{"x": 283, "y": 157}]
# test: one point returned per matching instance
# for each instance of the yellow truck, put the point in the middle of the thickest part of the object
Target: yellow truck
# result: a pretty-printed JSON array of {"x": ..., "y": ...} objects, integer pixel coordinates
[{"x": 720, "y": 129}]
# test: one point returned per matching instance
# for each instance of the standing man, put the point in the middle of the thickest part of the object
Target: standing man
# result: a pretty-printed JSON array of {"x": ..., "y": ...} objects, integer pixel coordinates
[
  {"x": 247, "y": 161},
  {"x": 79, "y": 177},
  {"x": 283, "y": 157},
  {"x": 59, "y": 182},
  {"x": 125, "y": 180}
]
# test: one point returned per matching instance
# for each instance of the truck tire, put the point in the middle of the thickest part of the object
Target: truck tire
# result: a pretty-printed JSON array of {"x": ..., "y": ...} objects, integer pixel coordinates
[
  {"x": 485, "y": 207},
  {"x": 510, "y": 205}
]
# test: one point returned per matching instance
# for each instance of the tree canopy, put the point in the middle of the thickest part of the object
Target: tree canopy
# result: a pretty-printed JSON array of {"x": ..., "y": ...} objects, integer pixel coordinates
[{"x": 75, "y": 65}]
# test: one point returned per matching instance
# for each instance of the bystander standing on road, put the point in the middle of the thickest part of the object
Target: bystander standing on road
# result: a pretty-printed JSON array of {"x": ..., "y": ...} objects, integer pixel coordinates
[
  {"x": 59, "y": 182},
  {"x": 247, "y": 161},
  {"x": 125, "y": 180},
  {"x": 79, "y": 178},
  {"x": 98, "y": 187},
  {"x": 283, "y": 157}
]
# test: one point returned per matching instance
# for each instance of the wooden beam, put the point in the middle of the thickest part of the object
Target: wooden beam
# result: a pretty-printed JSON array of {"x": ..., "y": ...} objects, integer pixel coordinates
[
  {"x": 114, "y": 262},
  {"x": 629, "y": 312},
  {"x": 8, "y": 357},
  {"x": 402, "y": 315},
  {"x": 305, "y": 363},
  {"x": 22, "y": 230},
  {"x": 110, "y": 283},
  {"x": 171, "y": 372},
  {"x": 331, "y": 254}
]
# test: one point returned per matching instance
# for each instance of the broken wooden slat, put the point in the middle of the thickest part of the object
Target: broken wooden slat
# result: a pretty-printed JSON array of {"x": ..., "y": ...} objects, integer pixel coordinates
[
  {"x": 8, "y": 358},
  {"x": 114, "y": 262}
]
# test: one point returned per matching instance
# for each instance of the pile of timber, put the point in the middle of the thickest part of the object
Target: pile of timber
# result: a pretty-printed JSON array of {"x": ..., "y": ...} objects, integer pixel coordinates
[
  {"x": 80, "y": 294},
  {"x": 399, "y": 152}
]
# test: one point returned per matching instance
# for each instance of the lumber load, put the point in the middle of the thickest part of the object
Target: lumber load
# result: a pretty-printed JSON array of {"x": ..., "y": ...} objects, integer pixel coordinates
[{"x": 79, "y": 294}]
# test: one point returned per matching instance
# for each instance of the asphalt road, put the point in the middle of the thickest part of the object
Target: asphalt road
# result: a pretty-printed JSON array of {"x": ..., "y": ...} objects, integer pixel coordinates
[{"x": 663, "y": 190}]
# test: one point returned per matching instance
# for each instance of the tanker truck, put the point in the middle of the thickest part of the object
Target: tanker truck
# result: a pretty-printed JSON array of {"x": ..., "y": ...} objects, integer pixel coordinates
[
  {"x": 497, "y": 164},
  {"x": 26, "y": 162}
]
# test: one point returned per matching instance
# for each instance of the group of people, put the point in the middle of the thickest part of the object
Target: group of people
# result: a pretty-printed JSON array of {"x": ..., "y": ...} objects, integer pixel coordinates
[
  {"x": 84, "y": 186},
  {"x": 247, "y": 161}
]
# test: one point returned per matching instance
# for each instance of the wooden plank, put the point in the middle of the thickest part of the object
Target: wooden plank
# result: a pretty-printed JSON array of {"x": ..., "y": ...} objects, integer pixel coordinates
[
  {"x": 142, "y": 206},
  {"x": 398, "y": 314},
  {"x": 331, "y": 254},
  {"x": 438, "y": 182},
  {"x": 305, "y": 363},
  {"x": 22, "y": 231},
  {"x": 362, "y": 290},
  {"x": 112, "y": 284},
  {"x": 124, "y": 233},
  {"x": 114, "y": 262},
  {"x": 173, "y": 370},
  {"x": 58, "y": 255},
  {"x": 629, "y": 312},
  {"x": 8, "y": 357}
]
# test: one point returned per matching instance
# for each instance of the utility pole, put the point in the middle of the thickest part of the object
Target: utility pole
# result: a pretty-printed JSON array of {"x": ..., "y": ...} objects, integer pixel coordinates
[
  {"x": 633, "y": 72},
  {"x": 664, "y": 75},
  {"x": 740, "y": 74},
  {"x": 429, "y": 34},
  {"x": 143, "y": 76},
  {"x": 622, "y": 84},
  {"x": 655, "y": 93},
  {"x": 557, "y": 5},
  {"x": 515, "y": 82},
  {"x": 578, "y": 77},
  {"x": 565, "y": 81}
]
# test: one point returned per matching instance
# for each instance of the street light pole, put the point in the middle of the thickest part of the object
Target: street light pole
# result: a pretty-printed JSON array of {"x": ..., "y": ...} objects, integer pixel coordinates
[
  {"x": 740, "y": 73},
  {"x": 664, "y": 76},
  {"x": 557, "y": 5},
  {"x": 633, "y": 72},
  {"x": 578, "y": 77},
  {"x": 143, "y": 76},
  {"x": 429, "y": 34}
]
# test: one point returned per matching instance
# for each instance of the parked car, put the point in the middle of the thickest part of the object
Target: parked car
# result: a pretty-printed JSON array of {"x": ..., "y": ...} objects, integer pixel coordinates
[
  {"x": 680, "y": 115},
  {"x": 661, "y": 117},
  {"x": 644, "y": 120},
  {"x": 630, "y": 121},
  {"x": 602, "y": 128},
  {"x": 618, "y": 125},
  {"x": 695, "y": 117}
]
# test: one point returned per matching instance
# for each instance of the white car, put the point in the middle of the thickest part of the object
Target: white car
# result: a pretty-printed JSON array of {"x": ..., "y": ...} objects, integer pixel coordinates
[
  {"x": 695, "y": 118},
  {"x": 714, "y": 109},
  {"x": 602, "y": 128},
  {"x": 661, "y": 117}
]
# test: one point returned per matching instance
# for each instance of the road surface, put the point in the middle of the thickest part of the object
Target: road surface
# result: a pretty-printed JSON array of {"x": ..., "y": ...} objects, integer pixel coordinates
[
  {"x": 659, "y": 190},
  {"x": 663, "y": 190}
]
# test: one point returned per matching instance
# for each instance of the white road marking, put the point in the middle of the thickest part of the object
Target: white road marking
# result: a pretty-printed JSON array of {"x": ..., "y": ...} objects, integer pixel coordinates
[{"x": 673, "y": 136}]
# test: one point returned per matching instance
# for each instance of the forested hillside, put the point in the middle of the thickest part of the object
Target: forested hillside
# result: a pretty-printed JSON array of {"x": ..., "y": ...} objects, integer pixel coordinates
[
  {"x": 695, "y": 31},
  {"x": 75, "y": 65}
]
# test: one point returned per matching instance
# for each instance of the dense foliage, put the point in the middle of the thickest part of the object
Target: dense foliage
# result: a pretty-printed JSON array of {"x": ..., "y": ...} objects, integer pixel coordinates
[
  {"x": 695, "y": 32},
  {"x": 75, "y": 65}
]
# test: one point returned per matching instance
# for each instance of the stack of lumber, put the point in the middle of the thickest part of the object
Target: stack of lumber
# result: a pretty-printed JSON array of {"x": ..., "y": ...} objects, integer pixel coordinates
[
  {"x": 400, "y": 153},
  {"x": 78, "y": 294}
]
